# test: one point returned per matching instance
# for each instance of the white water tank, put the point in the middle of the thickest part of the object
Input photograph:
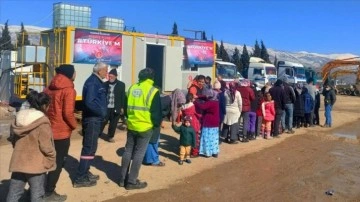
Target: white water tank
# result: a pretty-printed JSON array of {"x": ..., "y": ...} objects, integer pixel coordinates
[{"x": 111, "y": 23}]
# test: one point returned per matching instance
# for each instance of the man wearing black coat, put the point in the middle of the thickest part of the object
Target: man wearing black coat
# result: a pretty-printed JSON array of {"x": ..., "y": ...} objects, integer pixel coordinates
[
  {"x": 116, "y": 103},
  {"x": 278, "y": 95}
]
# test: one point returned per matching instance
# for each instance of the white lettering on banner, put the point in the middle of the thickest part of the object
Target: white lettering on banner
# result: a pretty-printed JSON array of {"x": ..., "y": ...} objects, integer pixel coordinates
[
  {"x": 98, "y": 42},
  {"x": 199, "y": 47}
]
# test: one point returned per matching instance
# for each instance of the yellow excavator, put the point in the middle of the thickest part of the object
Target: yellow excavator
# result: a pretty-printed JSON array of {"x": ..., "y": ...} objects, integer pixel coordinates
[{"x": 331, "y": 70}]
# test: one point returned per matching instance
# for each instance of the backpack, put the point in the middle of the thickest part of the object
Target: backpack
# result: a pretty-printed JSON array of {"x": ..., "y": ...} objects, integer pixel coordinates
[{"x": 228, "y": 98}]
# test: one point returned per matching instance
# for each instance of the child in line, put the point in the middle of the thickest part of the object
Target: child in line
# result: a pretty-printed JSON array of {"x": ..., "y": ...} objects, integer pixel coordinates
[
  {"x": 268, "y": 111},
  {"x": 188, "y": 109},
  {"x": 34, "y": 152},
  {"x": 187, "y": 139}
]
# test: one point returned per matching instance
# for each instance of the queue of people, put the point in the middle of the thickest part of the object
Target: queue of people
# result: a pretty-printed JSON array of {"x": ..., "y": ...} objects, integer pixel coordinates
[{"x": 208, "y": 116}]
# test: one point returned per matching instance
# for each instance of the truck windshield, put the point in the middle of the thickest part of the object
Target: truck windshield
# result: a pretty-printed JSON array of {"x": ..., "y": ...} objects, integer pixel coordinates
[
  {"x": 300, "y": 71},
  {"x": 226, "y": 71},
  {"x": 270, "y": 70}
]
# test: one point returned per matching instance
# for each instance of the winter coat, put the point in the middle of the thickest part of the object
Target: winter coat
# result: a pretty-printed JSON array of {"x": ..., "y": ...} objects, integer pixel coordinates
[
  {"x": 34, "y": 151},
  {"x": 329, "y": 96},
  {"x": 278, "y": 95},
  {"x": 189, "y": 110},
  {"x": 94, "y": 96},
  {"x": 268, "y": 109},
  {"x": 299, "y": 104},
  {"x": 210, "y": 110},
  {"x": 308, "y": 102},
  {"x": 247, "y": 95},
  {"x": 62, "y": 106},
  {"x": 233, "y": 111},
  {"x": 119, "y": 95},
  {"x": 290, "y": 97},
  {"x": 187, "y": 135}
]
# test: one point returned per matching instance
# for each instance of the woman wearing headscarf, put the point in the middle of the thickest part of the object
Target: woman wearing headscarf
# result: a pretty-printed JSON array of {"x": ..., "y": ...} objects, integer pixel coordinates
[{"x": 209, "y": 141}]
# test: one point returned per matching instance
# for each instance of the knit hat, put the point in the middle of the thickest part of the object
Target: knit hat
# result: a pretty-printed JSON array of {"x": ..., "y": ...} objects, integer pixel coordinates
[
  {"x": 66, "y": 70},
  {"x": 113, "y": 72},
  {"x": 217, "y": 85}
]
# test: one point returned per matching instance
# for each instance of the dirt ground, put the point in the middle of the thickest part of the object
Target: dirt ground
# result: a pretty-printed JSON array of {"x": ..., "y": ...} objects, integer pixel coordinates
[{"x": 299, "y": 167}]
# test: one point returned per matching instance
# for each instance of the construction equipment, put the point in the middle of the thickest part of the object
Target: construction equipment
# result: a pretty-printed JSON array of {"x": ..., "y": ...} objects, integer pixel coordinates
[{"x": 330, "y": 72}]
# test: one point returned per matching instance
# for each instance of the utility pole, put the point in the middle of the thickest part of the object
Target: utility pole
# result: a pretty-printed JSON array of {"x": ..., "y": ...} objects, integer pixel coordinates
[{"x": 196, "y": 32}]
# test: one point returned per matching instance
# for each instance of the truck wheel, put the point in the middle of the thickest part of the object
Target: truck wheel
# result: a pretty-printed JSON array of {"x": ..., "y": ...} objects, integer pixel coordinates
[
  {"x": 347, "y": 92},
  {"x": 356, "y": 93}
]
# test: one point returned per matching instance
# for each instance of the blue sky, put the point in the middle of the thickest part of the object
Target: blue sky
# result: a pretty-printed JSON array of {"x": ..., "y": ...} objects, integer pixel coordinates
[{"x": 321, "y": 26}]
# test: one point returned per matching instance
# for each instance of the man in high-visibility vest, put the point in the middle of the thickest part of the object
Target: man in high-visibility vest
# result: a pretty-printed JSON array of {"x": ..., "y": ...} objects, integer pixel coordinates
[{"x": 144, "y": 114}]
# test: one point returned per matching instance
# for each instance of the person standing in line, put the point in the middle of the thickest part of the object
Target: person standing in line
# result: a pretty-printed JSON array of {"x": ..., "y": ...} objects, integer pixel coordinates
[
  {"x": 299, "y": 106},
  {"x": 312, "y": 91},
  {"x": 308, "y": 107},
  {"x": 252, "y": 114},
  {"x": 288, "y": 115},
  {"x": 209, "y": 141},
  {"x": 233, "y": 111},
  {"x": 247, "y": 96},
  {"x": 63, "y": 122},
  {"x": 278, "y": 94},
  {"x": 268, "y": 114},
  {"x": 317, "y": 107},
  {"x": 144, "y": 114},
  {"x": 197, "y": 87},
  {"x": 116, "y": 103},
  {"x": 187, "y": 139},
  {"x": 34, "y": 152},
  {"x": 329, "y": 101},
  {"x": 93, "y": 116}
]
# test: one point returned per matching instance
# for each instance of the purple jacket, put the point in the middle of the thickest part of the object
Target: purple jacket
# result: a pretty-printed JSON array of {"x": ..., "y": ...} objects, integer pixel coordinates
[{"x": 210, "y": 109}]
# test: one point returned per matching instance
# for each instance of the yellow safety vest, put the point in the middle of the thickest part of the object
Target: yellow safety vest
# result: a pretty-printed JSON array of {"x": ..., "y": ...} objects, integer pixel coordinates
[{"x": 140, "y": 98}]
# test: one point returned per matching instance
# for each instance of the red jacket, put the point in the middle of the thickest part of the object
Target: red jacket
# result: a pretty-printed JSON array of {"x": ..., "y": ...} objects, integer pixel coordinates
[
  {"x": 268, "y": 109},
  {"x": 62, "y": 106},
  {"x": 247, "y": 95}
]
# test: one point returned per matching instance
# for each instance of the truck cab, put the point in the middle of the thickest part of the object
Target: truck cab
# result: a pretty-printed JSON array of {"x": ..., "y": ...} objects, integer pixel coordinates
[
  {"x": 295, "y": 72},
  {"x": 227, "y": 70},
  {"x": 261, "y": 72}
]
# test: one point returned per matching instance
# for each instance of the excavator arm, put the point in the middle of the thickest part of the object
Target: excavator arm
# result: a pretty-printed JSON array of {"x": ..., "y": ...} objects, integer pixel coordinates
[{"x": 326, "y": 70}]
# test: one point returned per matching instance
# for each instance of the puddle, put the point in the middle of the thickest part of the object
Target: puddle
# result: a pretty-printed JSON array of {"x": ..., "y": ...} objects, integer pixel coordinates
[
  {"x": 348, "y": 136},
  {"x": 349, "y": 131}
]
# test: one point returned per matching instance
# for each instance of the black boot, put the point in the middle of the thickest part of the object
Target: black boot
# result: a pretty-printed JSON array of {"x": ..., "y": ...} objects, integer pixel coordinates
[{"x": 245, "y": 138}]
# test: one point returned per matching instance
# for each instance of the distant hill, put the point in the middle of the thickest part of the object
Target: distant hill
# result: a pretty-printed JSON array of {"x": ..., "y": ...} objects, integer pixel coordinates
[
  {"x": 33, "y": 31},
  {"x": 314, "y": 60}
]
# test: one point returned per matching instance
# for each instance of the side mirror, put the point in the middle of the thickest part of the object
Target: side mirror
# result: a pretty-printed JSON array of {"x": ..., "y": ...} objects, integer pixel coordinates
[{"x": 262, "y": 72}]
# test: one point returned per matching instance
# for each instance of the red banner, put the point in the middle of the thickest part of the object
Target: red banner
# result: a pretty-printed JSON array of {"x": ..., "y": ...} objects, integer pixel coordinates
[
  {"x": 200, "y": 52},
  {"x": 91, "y": 47}
]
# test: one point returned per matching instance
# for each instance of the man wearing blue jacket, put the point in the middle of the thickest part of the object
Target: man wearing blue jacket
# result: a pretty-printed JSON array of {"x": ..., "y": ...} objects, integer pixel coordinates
[{"x": 94, "y": 96}]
